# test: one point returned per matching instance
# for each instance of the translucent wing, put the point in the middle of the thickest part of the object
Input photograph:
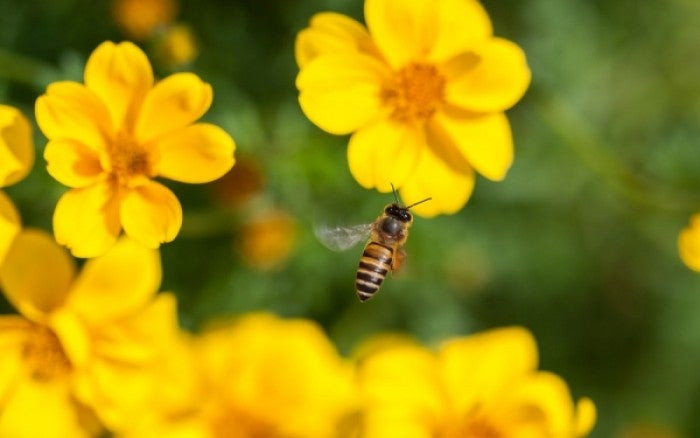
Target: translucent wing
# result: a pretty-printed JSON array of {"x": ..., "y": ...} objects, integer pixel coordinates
[{"x": 342, "y": 238}]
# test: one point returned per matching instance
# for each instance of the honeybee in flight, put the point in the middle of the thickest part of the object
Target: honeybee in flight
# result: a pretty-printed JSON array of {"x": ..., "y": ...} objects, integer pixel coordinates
[{"x": 384, "y": 250}]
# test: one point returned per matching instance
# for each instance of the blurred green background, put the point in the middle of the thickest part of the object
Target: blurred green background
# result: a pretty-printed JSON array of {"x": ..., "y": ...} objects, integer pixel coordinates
[{"x": 578, "y": 244}]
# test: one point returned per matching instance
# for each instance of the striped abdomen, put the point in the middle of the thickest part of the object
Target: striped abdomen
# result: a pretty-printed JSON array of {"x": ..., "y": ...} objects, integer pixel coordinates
[{"x": 374, "y": 264}]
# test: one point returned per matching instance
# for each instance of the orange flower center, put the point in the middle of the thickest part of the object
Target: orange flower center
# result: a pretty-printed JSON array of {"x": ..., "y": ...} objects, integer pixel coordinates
[
  {"x": 128, "y": 159},
  {"x": 473, "y": 426},
  {"x": 43, "y": 354},
  {"x": 415, "y": 92}
]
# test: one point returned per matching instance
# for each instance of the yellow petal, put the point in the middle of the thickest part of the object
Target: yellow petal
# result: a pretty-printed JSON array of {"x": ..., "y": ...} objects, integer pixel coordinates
[
  {"x": 132, "y": 364},
  {"x": 341, "y": 93},
  {"x": 70, "y": 110},
  {"x": 13, "y": 333},
  {"x": 476, "y": 368},
  {"x": 116, "y": 284},
  {"x": 585, "y": 416},
  {"x": 540, "y": 402},
  {"x": 9, "y": 224},
  {"x": 385, "y": 152},
  {"x": 73, "y": 335},
  {"x": 461, "y": 24},
  {"x": 174, "y": 103},
  {"x": 120, "y": 75},
  {"x": 491, "y": 77},
  {"x": 405, "y": 378},
  {"x": 419, "y": 30},
  {"x": 448, "y": 184},
  {"x": 689, "y": 244},
  {"x": 36, "y": 275},
  {"x": 485, "y": 141},
  {"x": 197, "y": 154},
  {"x": 86, "y": 220},
  {"x": 16, "y": 146},
  {"x": 71, "y": 163},
  {"x": 332, "y": 33},
  {"x": 151, "y": 214},
  {"x": 60, "y": 415}
]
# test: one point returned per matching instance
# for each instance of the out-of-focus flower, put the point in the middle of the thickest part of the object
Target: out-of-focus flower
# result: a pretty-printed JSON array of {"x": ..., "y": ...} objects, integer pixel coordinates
[
  {"x": 86, "y": 346},
  {"x": 485, "y": 385},
  {"x": 423, "y": 90},
  {"x": 110, "y": 137},
  {"x": 241, "y": 183},
  {"x": 16, "y": 160},
  {"x": 177, "y": 46},
  {"x": 689, "y": 243},
  {"x": 274, "y": 378},
  {"x": 267, "y": 239},
  {"x": 140, "y": 19}
]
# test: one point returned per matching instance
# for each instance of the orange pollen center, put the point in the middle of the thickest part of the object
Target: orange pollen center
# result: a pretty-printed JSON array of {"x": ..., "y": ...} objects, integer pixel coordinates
[
  {"x": 474, "y": 426},
  {"x": 43, "y": 354},
  {"x": 128, "y": 159},
  {"x": 415, "y": 92}
]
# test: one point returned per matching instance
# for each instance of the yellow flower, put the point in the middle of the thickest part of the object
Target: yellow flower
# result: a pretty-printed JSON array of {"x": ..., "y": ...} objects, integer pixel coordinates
[
  {"x": 140, "y": 19},
  {"x": 689, "y": 243},
  {"x": 86, "y": 345},
  {"x": 16, "y": 160},
  {"x": 268, "y": 377},
  {"x": 268, "y": 239},
  {"x": 110, "y": 137},
  {"x": 177, "y": 46},
  {"x": 423, "y": 90},
  {"x": 485, "y": 385}
]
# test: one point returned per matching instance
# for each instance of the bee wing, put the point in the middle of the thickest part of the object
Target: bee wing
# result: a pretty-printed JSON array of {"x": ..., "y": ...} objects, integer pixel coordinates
[{"x": 341, "y": 238}]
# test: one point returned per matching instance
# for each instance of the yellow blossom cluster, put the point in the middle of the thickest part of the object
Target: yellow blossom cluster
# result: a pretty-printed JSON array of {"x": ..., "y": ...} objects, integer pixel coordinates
[{"x": 96, "y": 349}]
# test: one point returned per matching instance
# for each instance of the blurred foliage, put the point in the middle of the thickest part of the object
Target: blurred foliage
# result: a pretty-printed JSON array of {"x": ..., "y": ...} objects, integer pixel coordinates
[{"x": 578, "y": 243}]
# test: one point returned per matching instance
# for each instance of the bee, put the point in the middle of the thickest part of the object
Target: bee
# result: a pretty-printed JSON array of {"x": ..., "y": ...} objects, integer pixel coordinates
[{"x": 384, "y": 250}]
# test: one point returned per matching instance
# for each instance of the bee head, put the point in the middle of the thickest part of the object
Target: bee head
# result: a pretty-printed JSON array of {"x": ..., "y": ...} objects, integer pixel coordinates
[{"x": 398, "y": 212}]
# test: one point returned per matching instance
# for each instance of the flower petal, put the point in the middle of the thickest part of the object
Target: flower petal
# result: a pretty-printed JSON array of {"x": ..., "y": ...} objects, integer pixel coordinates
[
  {"x": 86, "y": 220},
  {"x": 174, "y": 103},
  {"x": 476, "y": 368},
  {"x": 417, "y": 30},
  {"x": 461, "y": 25},
  {"x": 151, "y": 214},
  {"x": 60, "y": 415},
  {"x": 116, "y": 284},
  {"x": 13, "y": 333},
  {"x": 120, "y": 75},
  {"x": 402, "y": 386},
  {"x": 71, "y": 163},
  {"x": 9, "y": 224},
  {"x": 36, "y": 274},
  {"x": 197, "y": 154},
  {"x": 485, "y": 141},
  {"x": 540, "y": 402},
  {"x": 689, "y": 243},
  {"x": 16, "y": 146},
  {"x": 341, "y": 93},
  {"x": 70, "y": 110},
  {"x": 385, "y": 153},
  {"x": 448, "y": 182},
  {"x": 491, "y": 77},
  {"x": 332, "y": 33},
  {"x": 586, "y": 414}
]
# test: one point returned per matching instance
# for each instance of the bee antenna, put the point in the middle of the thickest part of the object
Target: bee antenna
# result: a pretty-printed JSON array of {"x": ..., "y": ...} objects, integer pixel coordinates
[
  {"x": 419, "y": 202},
  {"x": 393, "y": 190}
]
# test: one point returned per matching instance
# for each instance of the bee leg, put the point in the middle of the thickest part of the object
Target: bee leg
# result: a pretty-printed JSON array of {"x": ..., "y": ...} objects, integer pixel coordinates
[{"x": 398, "y": 259}]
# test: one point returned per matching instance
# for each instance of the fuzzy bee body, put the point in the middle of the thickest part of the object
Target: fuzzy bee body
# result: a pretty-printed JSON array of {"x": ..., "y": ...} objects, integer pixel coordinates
[{"x": 383, "y": 252}]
